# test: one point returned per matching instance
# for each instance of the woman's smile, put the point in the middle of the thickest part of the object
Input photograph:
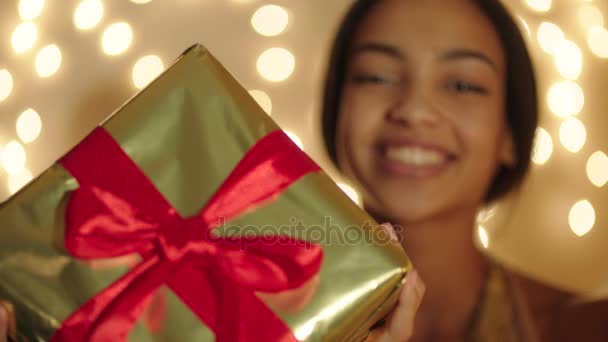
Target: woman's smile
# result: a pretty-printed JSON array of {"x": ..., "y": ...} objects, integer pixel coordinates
[{"x": 414, "y": 159}]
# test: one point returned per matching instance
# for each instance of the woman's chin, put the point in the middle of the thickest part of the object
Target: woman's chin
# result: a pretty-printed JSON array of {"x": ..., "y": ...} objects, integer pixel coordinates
[{"x": 402, "y": 213}]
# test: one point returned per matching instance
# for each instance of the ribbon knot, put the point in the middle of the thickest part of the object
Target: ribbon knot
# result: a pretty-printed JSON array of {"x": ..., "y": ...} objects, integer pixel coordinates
[
  {"x": 184, "y": 237},
  {"x": 118, "y": 211}
]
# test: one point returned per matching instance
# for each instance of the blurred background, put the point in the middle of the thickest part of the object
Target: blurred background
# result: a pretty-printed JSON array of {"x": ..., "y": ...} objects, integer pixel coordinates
[{"x": 66, "y": 65}]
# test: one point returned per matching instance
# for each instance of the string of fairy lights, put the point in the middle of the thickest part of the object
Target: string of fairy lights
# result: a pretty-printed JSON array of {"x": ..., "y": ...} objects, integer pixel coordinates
[
  {"x": 275, "y": 64},
  {"x": 565, "y": 98}
]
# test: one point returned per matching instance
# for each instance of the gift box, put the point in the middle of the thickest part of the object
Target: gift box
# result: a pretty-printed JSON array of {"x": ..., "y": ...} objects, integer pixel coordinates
[{"x": 188, "y": 215}]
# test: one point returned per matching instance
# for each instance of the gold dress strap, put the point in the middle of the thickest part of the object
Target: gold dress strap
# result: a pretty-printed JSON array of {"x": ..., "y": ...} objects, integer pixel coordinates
[{"x": 502, "y": 315}]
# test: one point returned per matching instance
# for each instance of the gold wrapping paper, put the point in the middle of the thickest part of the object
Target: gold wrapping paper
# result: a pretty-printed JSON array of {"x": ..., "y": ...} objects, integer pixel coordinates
[{"x": 186, "y": 131}]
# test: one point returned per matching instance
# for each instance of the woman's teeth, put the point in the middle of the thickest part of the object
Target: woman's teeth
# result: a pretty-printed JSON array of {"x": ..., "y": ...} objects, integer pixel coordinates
[{"x": 416, "y": 156}]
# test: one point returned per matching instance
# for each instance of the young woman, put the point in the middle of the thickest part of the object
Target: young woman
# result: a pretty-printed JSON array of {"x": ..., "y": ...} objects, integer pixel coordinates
[{"x": 430, "y": 109}]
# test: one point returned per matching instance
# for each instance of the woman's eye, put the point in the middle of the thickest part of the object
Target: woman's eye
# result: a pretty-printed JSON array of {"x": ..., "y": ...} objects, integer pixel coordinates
[
  {"x": 466, "y": 87},
  {"x": 372, "y": 79}
]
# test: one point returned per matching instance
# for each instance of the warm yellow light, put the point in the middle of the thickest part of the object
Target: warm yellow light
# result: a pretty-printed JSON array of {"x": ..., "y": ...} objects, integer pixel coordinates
[
  {"x": 19, "y": 180},
  {"x": 573, "y": 135},
  {"x": 597, "y": 169},
  {"x": 30, "y": 9},
  {"x": 24, "y": 36},
  {"x": 569, "y": 60},
  {"x": 543, "y": 147},
  {"x": 88, "y": 14},
  {"x": 13, "y": 157},
  {"x": 525, "y": 26},
  {"x": 117, "y": 38},
  {"x": 597, "y": 39},
  {"x": 146, "y": 69},
  {"x": 549, "y": 36},
  {"x": 276, "y": 64},
  {"x": 539, "y": 5},
  {"x": 296, "y": 140},
  {"x": 48, "y": 60},
  {"x": 565, "y": 98},
  {"x": 486, "y": 214},
  {"x": 262, "y": 99},
  {"x": 141, "y": 1},
  {"x": 582, "y": 218},
  {"x": 6, "y": 84},
  {"x": 482, "y": 235},
  {"x": 589, "y": 16},
  {"x": 29, "y": 126},
  {"x": 350, "y": 192},
  {"x": 270, "y": 20}
]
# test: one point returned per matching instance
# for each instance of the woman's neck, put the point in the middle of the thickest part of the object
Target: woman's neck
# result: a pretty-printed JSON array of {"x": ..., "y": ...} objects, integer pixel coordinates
[{"x": 443, "y": 252}]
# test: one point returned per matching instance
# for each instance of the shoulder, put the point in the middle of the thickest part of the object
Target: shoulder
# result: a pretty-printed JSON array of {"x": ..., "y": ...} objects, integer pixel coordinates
[{"x": 559, "y": 315}]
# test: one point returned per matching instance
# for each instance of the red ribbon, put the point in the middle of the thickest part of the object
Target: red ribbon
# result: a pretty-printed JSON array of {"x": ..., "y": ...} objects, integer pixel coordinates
[{"x": 118, "y": 211}]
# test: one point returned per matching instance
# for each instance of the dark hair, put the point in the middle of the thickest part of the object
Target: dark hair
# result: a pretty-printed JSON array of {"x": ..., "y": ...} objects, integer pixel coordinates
[{"x": 521, "y": 96}]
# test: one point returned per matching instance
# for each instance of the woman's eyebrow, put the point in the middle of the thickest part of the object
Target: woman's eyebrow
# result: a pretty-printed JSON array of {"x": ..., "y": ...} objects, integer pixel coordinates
[
  {"x": 382, "y": 48},
  {"x": 457, "y": 54}
]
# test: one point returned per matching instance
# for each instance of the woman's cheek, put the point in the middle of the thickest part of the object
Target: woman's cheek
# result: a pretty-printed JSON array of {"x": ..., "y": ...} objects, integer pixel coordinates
[{"x": 479, "y": 126}]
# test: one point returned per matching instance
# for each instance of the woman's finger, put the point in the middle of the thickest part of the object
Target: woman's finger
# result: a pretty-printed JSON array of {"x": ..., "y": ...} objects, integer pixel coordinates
[
  {"x": 3, "y": 324},
  {"x": 401, "y": 323},
  {"x": 388, "y": 228},
  {"x": 7, "y": 321}
]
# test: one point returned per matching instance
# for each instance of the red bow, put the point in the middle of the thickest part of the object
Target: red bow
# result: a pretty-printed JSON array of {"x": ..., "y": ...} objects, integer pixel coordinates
[{"x": 117, "y": 211}]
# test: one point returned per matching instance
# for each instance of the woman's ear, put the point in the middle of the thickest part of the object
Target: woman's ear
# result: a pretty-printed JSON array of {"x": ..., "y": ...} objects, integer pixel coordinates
[{"x": 506, "y": 150}]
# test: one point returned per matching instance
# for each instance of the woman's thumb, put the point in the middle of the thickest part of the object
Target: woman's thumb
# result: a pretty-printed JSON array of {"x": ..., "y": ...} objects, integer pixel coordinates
[{"x": 3, "y": 323}]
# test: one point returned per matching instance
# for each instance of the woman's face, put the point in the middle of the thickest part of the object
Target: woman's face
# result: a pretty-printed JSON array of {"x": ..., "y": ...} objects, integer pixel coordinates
[{"x": 422, "y": 126}]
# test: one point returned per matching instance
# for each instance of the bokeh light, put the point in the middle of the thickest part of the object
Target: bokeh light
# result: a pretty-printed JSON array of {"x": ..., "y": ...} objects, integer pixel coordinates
[
  {"x": 117, "y": 38},
  {"x": 270, "y": 20},
  {"x": 13, "y": 157},
  {"x": 88, "y": 14},
  {"x": 146, "y": 69},
  {"x": 543, "y": 147},
  {"x": 539, "y": 5},
  {"x": 276, "y": 64},
  {"x": 29, "y": 126},
  {"x": 597, "y": 39},
  {"x": 48, "y": 60},
  {"x": 350, "y": 192},
  {"x": 19, "y": 180},
  {"x": 573, "y": 135},
  {"x": 30, "y": 9},
  {"x": 24, "y": 37},
  {"x": 525, "y": 26},
  {"x": 589, "y": 16},
  {"x": 597, "y": 169},
  {"x": 6, "y": 84},
  {"x": 549, "y": 36},
  {"x": 262, "y": 99},
  {"x": 482, "y": 235},
  {"x": 486, "y": 214},
  {"x": 582, "y": 218},
  {"x": 140, "y": 1},
  {"x": 569, "y": 60},
  {"x": 566, "y": 98},
  {"x": 294, "y": 137}
]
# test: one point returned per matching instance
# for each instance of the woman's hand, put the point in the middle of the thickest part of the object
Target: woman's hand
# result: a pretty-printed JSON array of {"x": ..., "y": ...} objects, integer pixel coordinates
[
  {"x": 7, "y": 321},
  {"x": 3, "y": 324},
  {"x": 399, "y": 325}
]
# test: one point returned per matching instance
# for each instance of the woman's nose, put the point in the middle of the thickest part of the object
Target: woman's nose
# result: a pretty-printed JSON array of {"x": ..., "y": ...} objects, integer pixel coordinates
[{"x": 414, "y": 107}]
